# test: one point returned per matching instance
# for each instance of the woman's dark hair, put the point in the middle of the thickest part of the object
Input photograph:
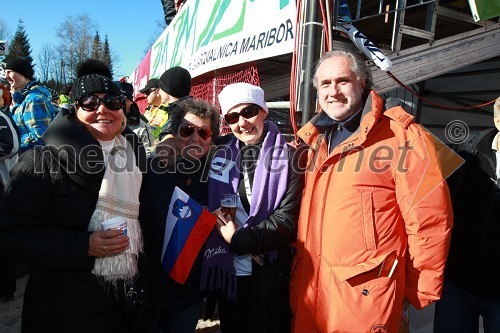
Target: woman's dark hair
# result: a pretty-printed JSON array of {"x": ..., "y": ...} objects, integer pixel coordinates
[{"x": 199, "y": 108}]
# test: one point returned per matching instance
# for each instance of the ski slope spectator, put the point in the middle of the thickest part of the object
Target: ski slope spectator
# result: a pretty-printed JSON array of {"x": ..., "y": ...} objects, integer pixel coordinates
[
  {"x": 32, "y": 109},
  {"x": 135, "y": 120}
]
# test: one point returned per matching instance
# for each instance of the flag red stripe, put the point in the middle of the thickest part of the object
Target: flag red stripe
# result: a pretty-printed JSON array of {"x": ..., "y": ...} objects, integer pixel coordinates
[{"x": 194, "y": 243}]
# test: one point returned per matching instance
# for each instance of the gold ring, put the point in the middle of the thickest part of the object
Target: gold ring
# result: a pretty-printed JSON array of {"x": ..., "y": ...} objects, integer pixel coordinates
[{"x": 105, "y": 249}]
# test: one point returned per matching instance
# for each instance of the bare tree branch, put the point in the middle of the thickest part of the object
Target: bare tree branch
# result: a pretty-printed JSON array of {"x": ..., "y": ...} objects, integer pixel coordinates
[
  {"x": 4, "y": 30},
  {"x": 75, "y": 36}
]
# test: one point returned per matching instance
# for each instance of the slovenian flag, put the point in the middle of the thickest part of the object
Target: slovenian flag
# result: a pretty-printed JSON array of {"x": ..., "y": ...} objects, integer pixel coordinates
[{"x": 187, "y": 228}]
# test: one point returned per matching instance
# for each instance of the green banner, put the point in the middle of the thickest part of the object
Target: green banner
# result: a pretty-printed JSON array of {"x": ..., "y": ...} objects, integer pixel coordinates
[{"x": 484, "y": 9}]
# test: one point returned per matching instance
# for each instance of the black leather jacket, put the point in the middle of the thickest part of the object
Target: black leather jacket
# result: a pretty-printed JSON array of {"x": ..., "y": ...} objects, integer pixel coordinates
[{"x": 474, "y": 251}]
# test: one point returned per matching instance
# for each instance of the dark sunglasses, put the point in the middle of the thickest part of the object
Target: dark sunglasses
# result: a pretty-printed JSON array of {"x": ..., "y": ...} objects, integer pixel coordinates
[
  {"x": 248, "y": 112},
  {"x": 92, "y": 102},
  {"x": 188, "y": 130},
  {"x": 149, "y": 92}
]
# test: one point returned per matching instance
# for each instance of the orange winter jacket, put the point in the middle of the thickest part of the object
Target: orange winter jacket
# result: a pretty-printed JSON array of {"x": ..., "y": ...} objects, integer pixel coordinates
[{"x": 374, "y": 226}]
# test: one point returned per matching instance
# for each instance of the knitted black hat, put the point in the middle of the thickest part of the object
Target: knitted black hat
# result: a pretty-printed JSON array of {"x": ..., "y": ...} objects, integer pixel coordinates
[
  {"x": 21, "y": 66},
  {"x": 176, "y": 81},
  {"x": 93, "y": 84}
]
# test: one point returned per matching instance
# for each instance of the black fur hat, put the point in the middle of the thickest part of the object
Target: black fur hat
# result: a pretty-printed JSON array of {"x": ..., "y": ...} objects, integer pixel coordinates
[{"x": 93, "y": 66}]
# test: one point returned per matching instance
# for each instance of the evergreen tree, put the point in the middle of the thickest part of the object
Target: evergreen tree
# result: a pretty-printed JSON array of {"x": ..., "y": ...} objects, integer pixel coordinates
[
  {"x": 20, "y": 45},
  {"x": 97, "y": 47},
  {"x": 106, "y": 54}
]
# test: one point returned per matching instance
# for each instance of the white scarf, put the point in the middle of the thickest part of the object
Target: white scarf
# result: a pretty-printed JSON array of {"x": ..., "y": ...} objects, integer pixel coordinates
[{"x": 119, "y": 196}]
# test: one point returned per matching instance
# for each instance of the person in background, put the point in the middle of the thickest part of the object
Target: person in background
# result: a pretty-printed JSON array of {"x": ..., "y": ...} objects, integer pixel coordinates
[
  {"x": 32, "y": 109},
  {"x": 375, "y": 219},
  {"x": 135, "y": 120},
  {"x": 171, "y": 8},
  {"x": 9, "y": 136},
  {"x": 89, "y": 171},
  {"x": 5, "y": 96},
  {"x": 54, "y": 96},
  {"x": 471, "y": 275},
  {"x": 64, "y": 101},
  {"x": 175, "y": 85},
  {"x": 196, "y": 125},
  {"x": 9, "y": 147},
  {"x": 156, "y": 112},
  {"x": 256, "y": 163},
  {"x": 55, "y": 100}
]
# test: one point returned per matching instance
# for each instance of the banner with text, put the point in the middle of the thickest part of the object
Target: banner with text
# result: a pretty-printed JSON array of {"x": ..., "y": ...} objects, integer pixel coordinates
[
  {"x": 484, "y": 9},
  {"x": 207, "y": 35},
  {"x": 4, "y": 48}
]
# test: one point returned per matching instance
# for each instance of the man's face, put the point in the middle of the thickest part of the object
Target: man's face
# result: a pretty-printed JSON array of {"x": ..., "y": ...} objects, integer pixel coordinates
[
  {"x": 165, "y": 98},
  {"x": 496, "y": 119},
  {"x": 340, "y": 91},
  {"x": 128, "y": 103},
  {"x": 154, "y": 96},
  {"x": 16, "y": 80}
]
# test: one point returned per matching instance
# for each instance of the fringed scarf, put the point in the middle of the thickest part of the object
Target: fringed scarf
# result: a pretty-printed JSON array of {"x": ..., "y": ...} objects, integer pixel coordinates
[
  {"x": 268, "y": 188},
  {"x": 119, "y": 196}
]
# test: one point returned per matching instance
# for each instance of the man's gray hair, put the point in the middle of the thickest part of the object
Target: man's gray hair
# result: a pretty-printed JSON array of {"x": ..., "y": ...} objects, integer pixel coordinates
[{"x": 358, "y": 66}]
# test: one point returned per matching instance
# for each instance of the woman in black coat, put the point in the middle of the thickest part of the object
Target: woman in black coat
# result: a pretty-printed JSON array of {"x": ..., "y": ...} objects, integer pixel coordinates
[{"x": 50, "y": 215}]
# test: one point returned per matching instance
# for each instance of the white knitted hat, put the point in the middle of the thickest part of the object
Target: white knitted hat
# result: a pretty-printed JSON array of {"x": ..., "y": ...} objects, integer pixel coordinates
[{"x": 241, "y": 93}]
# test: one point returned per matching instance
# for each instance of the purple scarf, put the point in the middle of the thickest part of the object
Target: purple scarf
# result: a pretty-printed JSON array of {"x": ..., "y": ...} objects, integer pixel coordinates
[{"x": 268, "y": 188}]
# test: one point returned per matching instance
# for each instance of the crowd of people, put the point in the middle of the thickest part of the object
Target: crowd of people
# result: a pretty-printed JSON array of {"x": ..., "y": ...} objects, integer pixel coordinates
[{"x": 338, "y": 232}]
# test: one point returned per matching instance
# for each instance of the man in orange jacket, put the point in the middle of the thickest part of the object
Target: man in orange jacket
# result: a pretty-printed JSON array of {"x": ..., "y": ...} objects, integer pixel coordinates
[{"x": 375, "y": 219}]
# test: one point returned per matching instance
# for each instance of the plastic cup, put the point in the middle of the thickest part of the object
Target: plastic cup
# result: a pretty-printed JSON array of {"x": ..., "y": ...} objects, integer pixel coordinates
[{"x": 116, "y": 223}]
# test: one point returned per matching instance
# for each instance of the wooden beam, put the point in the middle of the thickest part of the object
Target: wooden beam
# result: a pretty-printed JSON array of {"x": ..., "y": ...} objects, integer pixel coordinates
[{"x": 444, "y": 55}]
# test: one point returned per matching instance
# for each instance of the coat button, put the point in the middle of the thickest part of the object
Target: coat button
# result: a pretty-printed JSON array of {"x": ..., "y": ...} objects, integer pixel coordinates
[{"x": 365, "y": 292}]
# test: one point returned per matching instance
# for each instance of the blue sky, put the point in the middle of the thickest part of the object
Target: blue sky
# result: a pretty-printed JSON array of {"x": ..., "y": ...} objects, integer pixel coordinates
[{"x": 129, "y": 24}]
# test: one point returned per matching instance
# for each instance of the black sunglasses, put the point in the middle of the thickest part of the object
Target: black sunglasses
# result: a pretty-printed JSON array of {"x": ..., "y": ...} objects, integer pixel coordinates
[
  {"x": 247, "y": 112},
  {"x": 92, "y": 102},
  {"x": 188, "y": 130},
  {"x": 149, "y": 92}
]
